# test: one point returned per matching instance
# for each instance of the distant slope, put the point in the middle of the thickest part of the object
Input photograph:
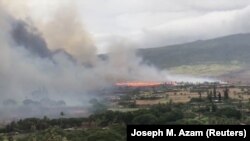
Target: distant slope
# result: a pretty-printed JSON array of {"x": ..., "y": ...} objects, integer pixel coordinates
[{"x": 226, "y": 49}]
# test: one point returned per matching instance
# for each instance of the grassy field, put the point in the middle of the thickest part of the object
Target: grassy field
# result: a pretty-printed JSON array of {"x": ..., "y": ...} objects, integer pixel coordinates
[
  {"x": 207, "y": 70},
  {"x": 186, "y": 96}
]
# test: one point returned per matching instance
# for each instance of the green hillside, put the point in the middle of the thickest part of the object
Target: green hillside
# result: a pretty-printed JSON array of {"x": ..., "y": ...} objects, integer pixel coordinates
[{"x": 228, "y": 49}]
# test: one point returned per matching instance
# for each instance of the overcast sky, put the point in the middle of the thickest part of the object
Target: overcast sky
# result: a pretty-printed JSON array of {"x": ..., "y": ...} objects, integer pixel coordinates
[{"x": 153, "y": 23}]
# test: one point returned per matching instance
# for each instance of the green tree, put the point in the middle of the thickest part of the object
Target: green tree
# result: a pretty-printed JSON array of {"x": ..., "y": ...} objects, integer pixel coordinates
[
  {"x": 219, "y": 96},
  {"x": 214, "y": 91},
  {"x": 53, "y": 134},
  {"x": 104, "y": 135},
  {"x": 209, "y": 96},
  {"x": 199, "y": 95},
  {"x": 170, "y": 117},
  {"x": 145, "y": 119},
  {"x": 229, "y": 113},
  {"x": 61, "y": 119},
  {"x": 226, "y": 93}
]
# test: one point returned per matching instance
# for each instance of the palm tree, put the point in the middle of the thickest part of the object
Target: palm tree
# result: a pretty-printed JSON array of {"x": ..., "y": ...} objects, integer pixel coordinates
[{"x": 61, "y": 114}]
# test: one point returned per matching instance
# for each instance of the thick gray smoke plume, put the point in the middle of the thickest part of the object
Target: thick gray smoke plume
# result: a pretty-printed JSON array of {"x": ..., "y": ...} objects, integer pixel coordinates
[
  {"x": 56, "y": 62},
  {"x": 26, "y": 36}
]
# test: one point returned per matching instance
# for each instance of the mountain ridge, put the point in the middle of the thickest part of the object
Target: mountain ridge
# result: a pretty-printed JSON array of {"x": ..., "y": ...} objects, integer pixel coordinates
[{"x": 226, "y": 49}]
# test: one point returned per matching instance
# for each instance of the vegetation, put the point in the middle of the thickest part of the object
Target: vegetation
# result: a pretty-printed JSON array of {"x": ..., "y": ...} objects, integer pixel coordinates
[
  {"x": 212, "y": 105},
  {"x": 111, "y": 125}
]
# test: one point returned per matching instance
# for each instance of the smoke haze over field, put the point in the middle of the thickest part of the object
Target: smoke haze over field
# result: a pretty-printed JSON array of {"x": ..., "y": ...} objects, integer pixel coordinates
[{"x": 60, "y": 58}]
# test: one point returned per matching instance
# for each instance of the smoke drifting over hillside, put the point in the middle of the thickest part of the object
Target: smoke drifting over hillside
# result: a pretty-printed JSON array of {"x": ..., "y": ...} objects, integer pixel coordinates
[{"x": 60, "y": 57}]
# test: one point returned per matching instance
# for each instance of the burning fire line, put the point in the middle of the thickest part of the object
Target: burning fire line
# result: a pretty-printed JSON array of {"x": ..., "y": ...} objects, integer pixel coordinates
[{"x": 139, "y": 84}]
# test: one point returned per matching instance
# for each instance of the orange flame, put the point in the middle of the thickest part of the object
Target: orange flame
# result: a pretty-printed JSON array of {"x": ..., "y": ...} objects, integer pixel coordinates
[{"x": 138, "y": 84}]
